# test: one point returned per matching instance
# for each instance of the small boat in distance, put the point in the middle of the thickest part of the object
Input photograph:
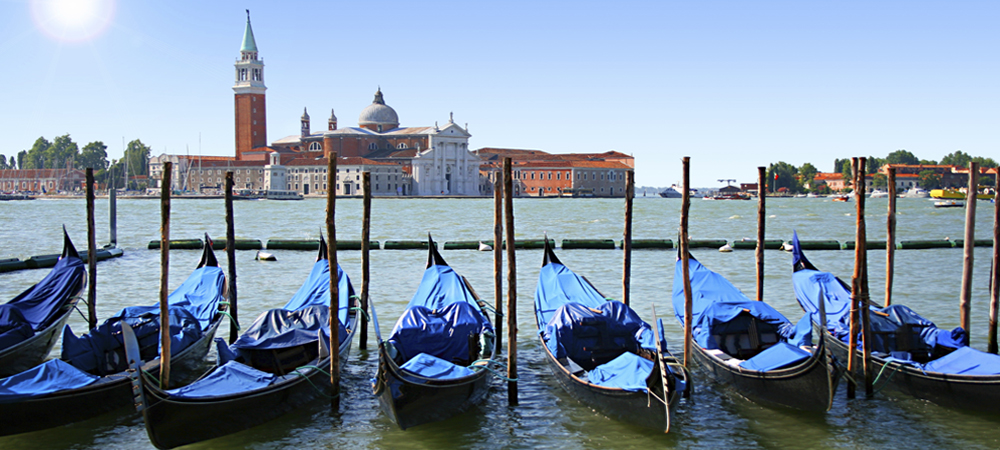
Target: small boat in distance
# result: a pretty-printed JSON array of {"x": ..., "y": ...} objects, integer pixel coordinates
[
  {"x": 949, "y": 204},
  {"x": 915, "y": 192},
  {"x": 673, "y": 191},
  {"x": 271, "y": 194},
  {"x": 840, "y": 198},
  {"x": 878, "y": 193},
  {"x": 956, "y": 194}
]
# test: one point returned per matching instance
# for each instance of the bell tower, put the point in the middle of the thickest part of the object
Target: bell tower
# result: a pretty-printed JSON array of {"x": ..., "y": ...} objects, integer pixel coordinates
[{"x": 251, "y": 111}]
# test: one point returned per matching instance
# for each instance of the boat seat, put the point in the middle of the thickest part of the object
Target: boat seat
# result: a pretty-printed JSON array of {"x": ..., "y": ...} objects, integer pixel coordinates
[
  {"x": 718, "y": 354},
  {"x": 575, "y": 368}
]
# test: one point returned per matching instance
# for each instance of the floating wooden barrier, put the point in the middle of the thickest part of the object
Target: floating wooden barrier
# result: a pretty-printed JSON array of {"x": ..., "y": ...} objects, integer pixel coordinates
[
  {"x": 462, "y": 245},
  {"x": 183, "y": 244},
  {"x": 286, "y": 244},
  {"x": 977, "y": 243},
  {"x": 751, "y": 244},
  {"x": 819, "y": 245},
  {"x": 45, "y": 261},
  {"x": 603, "y": 244},
  {"x": 870, "y": 245},
  {"x": 922, "y": 244},
  {"x": 12, "y": 264},
  {"x": 530, "y": 244},
  {"x": 406, "y": 245},
  {"x": 652, "y": 244},
  {"x": 706, "y": 243}
]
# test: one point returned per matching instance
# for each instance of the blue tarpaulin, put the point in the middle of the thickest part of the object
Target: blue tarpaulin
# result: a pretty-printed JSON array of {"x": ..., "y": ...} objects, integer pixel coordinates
[
  {"x": 279, "y": 328},
  {"x": 557, "y": 285},
  {"x": 316, "y": 290},
  {"x": 429, "y": 366},
  {"x": 777, "y": 356},
  {"x": 440, "y": 287},
  {"x": 443, "y": 333},
  {"x": 52, "y": 376},
  {"x": 231, "y": 378},
  {"x": 579, "y": 332},
  {"x": 628, "y": 371},
  {"x": 37, "y": 307},
  {"x": 966, "y": 361}
]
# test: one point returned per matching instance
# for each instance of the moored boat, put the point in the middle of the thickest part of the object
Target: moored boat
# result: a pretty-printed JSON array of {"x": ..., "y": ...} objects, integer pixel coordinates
[
  {"x": 90, "y": 377},
  {"x": 279, "y": 364},
  {"x": 918, "y": 358},
  {"x": 751, "y": 347},
  {"x": 30, "y": 322},
  {"x": 602, "y": 353},
  {"x": 435, "y": 363}
]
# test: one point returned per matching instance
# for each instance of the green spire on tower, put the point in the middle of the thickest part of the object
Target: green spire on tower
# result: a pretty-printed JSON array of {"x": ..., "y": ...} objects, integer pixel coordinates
[{"x": 249, "y": 45}]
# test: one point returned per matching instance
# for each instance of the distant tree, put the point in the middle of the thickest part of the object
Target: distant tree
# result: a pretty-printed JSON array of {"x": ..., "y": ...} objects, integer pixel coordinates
[
  {"x": 902, "y": 157},
  {"x": 929, "y": 180},
  {"x": 873, "y": 164},
  {"x": 62, "y": 151},
  {"x": 135, "y": 159},
  {"x": 807, "y": 173},
  {"x": 958, "y": 158},
  {"x": 880, "y": 181},
  {"x": 3, "y": 162},
  {"x": 845, "y": 169},
  {"x": 22, "y": 157},
  {"x": 928, "y": 162},
  {"x": 35, "y": 156},
  {"x": 985, "y": 162},
  {"x": 93, "y": 155},
  {"x": 838, "y": 164},
  {"x": 783, "y": 175}
]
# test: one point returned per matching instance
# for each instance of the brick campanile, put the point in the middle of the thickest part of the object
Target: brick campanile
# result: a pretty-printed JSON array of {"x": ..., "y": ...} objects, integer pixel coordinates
[{"x": 251, "y": 111}]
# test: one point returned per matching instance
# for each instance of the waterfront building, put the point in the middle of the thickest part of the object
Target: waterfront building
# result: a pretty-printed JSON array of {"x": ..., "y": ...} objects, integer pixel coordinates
[
  {"x": 42, "y": 180},
  {"x": 308, "y": 174},
  {"x": 541, "y": 174},
  {"x": 206, "y": 173}
]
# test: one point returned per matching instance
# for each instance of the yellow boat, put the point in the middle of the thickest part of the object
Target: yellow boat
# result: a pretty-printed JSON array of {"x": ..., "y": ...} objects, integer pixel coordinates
[{"x": 955, "y": 194}]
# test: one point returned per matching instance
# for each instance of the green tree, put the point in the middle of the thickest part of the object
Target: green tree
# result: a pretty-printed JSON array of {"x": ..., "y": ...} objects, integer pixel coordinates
[
  {"x": 958, "y": 158},
  {"x": 136, "y": 160},
  {"x": 22, "y": 157},
  {"x": 35, "y": 156},
  {"x": 62, "y": 151},
  {"x": 902, "y": 157},
  {"x": 928, "y": 162},
  {"x": 985, "y": 162},
  {"x": 929, "y": 180},
  {"x": 93, "y": 155},
  {"x": 807, "y": 172},
  {"x": 786, "y": 177},
  {"x": 3, "y": 162},
  {"x": 873, "y": 164},
  {"x": 880, "y": 181}
]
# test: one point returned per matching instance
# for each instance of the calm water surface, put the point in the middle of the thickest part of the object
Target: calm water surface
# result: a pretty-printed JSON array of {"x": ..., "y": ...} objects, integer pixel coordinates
[{"x": 927, "y": 280}]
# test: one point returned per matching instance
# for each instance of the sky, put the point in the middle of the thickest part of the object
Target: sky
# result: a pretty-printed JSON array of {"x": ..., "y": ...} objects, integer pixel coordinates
[{"x": 732, "y": 84}]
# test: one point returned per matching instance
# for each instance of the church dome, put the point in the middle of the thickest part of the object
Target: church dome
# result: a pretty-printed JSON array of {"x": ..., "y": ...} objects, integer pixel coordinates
[{"x": 378, "y": 113}]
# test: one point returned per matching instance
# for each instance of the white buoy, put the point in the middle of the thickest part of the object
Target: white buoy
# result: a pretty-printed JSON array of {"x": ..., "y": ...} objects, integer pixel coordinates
[
  {"x": 725, "y": 248},
  {"x": 484, "y": 247},
  {"x": 787, "y": 247},
  {"x": 264, "y": 256}
]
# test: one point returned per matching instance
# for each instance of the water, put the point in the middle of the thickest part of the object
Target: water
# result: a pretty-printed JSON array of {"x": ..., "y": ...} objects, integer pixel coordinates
[{"x": 927, "y": 280}]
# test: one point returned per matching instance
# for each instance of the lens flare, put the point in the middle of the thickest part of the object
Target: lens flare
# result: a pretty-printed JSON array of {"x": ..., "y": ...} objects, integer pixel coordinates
[{"x": 72, "y": 20}]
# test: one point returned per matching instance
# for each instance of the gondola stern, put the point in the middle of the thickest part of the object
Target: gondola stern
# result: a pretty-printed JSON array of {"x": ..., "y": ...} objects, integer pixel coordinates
[
  {"x": 208, "y": 254},
  {"x": 68, "y": 248},
  {"x": 324, "y": 251},
  {"x": 550, "y": 254},
  {"x": 433, "y": 257}
]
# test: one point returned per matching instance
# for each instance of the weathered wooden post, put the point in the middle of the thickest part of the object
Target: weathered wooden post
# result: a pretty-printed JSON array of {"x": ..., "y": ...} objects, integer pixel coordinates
[
  {"x": 498, "y": 187},
  {"x": 113, "y": 213},
  {"x": 627, "y": 237},
  {"x": 890, "y": 238},
  {"x": 234, "y": 330},
  {"x": 164, "y": 272},
  {"x": 861, "y": 248},
  {"x": 685, "y": 258},
  {"x": 508, "y": 187},
  {"x": 964, "y": 315},
  {"x": 91, "y": 253},
  {"x": 331, "y": 233},
  {"x": 366, "y": 226},
  {"x": 852, "y": 341},
  {"x": 995, "y": 275},
  {"x": 761, "y": 217}
]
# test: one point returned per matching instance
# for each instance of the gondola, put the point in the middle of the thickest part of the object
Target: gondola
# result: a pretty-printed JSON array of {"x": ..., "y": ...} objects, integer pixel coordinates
[
  {"x": 29, "y": 323},
  {"x": 751, "y": 347},
  {"x": 90, "y": 377},
  {"x": 909, "y": 353},
  {"x": 280, "y": 363},
  {"x": 436, "y": 361},
  {"x": 602, "y": 353}
]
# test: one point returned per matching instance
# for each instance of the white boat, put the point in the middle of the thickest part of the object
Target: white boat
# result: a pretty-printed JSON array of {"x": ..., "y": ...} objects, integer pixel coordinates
[
  {"x": 948, "y": 204},
  {"x": 282, "y": 195},
  {"x": 878, "y": 193},
  {"x": 916, "y": 193}
]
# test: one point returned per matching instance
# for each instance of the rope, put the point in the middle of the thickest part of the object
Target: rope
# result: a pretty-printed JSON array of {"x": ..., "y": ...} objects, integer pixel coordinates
[
  {"x": 82, "y": 315},
  {"x": 318, "y": 390},
  {"x": 231, "y": 319},
  {"x": 473, "y": 366},
  {"x": 888, "y": 379},
  {"x": 363, "y": 313},
  {"x": 491, "y": 309}
]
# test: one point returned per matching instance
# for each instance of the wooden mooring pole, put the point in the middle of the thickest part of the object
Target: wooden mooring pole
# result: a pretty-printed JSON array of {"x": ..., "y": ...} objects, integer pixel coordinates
[
  {"x": 498, "y": 186},
  {"x": 627, "y": 238},
  {"x": 861, "y": 248},
  {"x": 965, "y": 302},
  {"x": 685, "y": 258},
  {"x": 164, "y": 272},
  {"x": 366, "y": 226},
  {"x": 890, "y": 237},
  {"x": 234, "y": 328},
  {"x": 508, "y": 196},
  {"x": 331, "y": 248},
  {"x": 995, "y": 265},
  {"x": 91, "y": 253},
  {"x": 113, "y": 214},
  {"x": 852, "y": 341},
  {"x": 761, "y": 196}
]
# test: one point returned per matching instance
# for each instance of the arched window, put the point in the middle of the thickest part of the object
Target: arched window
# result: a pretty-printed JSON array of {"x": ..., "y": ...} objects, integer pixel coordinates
[
  {"x": 401, "y": 146},
  {"x": 315, "y": 147},
  {"x": 373, "y": 146}
]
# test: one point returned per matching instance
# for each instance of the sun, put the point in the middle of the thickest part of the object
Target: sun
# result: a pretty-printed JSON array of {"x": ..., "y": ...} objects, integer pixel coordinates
[{"x": 72, "y": 20}]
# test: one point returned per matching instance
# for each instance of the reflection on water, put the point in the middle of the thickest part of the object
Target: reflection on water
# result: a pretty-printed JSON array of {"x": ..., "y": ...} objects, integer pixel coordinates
[{"x": 927, "y": 280}]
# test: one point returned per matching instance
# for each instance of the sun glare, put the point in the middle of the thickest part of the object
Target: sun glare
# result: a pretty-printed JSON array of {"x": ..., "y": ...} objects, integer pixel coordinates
[{"x": 72, "y": 20}]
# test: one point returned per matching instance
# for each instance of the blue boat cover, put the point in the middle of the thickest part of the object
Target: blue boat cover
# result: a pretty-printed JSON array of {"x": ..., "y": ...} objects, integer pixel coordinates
[
  {"x": 775, "y": 357},
  {"x": 440, "y": 287},
  {"x": 280, "y": 328},
  {"x": 38, "y": 306},
  {"x": 578, "y": 332},
  {"x": 628, "y": 372},
  {"x": 719, "y": 308},
  {"x": 443, "y": 333},
  {"x": 230, "y": 378},
  {"x": 316, "y": 290},
  {"x": 966, "y": 361},
  {"x": 557, "y": 286},
  {"x": 429, "y": 366},
  {"x": 190, "y": 308},
  {"x": 52, "y": 376}
]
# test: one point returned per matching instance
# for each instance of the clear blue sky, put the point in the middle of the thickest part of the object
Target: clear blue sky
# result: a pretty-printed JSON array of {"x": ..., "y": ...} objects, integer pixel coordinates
[{"x": 733, "y": 84}]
